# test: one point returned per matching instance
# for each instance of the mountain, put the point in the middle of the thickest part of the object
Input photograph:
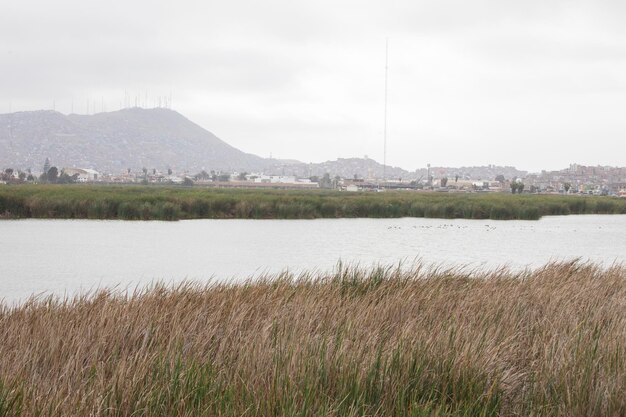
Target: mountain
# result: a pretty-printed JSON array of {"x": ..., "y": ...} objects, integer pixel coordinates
[
  {"x": 344, "y": 167},
  {"x": 112, "y": 142},
  {"x": 161, "y": 138},
  {"x": 369, "y": 168}
]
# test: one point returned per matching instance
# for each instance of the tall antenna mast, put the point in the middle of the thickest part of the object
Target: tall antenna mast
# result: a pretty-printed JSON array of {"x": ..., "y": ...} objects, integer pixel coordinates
[{"x": 385, "y": 125}]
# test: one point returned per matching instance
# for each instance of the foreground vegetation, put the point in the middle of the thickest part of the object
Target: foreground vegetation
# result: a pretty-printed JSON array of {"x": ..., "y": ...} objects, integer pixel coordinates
[
  {"x": 174, "y": 203},
  {"x": 380, "y": 342}
]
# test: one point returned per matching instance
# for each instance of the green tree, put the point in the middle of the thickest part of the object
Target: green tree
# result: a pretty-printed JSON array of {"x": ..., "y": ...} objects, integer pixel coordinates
[
  {"x": 325, "y": 181},
  {"x": 242, "y": 176},
  {"x": 188, "y": 182},
  {"x": 202, "y": 175},
  {"x": 67, "y": 179},
  {"x": 7, "y": 174},
  {"x": 444, "y": 181},
  {"x": 336, "y": 181},
  {"x": 52, "y": 175},
  {"x": 567, "y": 186}
]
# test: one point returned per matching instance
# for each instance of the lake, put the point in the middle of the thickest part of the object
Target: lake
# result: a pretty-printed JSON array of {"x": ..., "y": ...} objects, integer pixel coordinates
[{"x": 65, "y": 257}]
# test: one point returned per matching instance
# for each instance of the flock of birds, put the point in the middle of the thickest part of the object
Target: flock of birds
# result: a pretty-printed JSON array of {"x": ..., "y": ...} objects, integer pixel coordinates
[{"x": 488, "y": 227}]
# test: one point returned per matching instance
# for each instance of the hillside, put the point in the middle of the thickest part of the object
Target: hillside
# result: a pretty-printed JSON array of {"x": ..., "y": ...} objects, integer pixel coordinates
[
  {"x": 112, "y": 142},
  {"x": 343, "y": 167},
  {"x": 160, "y": 138}
]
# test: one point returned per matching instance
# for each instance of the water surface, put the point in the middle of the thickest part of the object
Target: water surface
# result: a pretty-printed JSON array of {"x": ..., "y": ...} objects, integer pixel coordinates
[{"x": 69, "y": 256}]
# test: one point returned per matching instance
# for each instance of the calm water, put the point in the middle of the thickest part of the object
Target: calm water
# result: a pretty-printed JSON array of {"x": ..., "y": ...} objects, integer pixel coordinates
[{"x": 68, "y": 256}]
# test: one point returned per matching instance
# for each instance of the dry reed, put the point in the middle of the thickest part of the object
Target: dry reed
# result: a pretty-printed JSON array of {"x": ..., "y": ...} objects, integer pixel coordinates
[{"x": 380, "y": 342}]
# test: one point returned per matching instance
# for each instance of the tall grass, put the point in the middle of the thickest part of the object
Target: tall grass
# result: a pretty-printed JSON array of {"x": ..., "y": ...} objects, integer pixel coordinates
[
  {"x": 380, "y": 342},
  {"x": 173, "y": 203}
]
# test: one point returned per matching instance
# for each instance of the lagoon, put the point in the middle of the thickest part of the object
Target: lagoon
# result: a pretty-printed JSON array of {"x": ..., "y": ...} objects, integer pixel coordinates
[{"x": 66, "y": 257}]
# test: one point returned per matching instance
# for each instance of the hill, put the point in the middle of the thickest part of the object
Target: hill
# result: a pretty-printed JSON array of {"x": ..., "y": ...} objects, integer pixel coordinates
[
  {"x": 343, "y": 167},
  {"x": 112, "y": 142},
  {"x": 160, "y": 138}
]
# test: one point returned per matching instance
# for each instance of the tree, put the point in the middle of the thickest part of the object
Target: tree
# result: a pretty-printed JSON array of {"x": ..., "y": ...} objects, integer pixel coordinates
[
  {"x": 513, "y": 187},
  {"x": 567, "y": 186},
  {"x": 8, "y": 174},
  {"x": 500, "y": 178},
  {"x": 520, "y": 187},
  {"x": 169, "y": 171},
  {"x": 456, "y": 178},
  {"x": 53, "y": 174},
  {"x": 444, "y": 181},
  {"x": 242, "y": 176},
  {"x": 188, "y": 182},
  {"x": 67, "y": 179},
  {"x": 223, "y": 177},
  {"x": 325, "y": 181},
  {"x": 202, "y": 175}
]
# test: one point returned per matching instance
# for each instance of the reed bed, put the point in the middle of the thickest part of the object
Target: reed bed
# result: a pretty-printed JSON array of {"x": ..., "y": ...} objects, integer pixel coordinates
[
  {"x": 355, "y": 342},
  {"x": 128, "y": 202}
]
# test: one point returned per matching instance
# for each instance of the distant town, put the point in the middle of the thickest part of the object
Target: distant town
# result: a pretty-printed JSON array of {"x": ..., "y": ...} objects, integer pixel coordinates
[
  {"x": 161, "y": 146},
  {"x": 576, "y": 179}
]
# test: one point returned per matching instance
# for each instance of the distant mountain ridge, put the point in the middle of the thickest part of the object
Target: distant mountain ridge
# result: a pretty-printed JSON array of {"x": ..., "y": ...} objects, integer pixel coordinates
[
  {"x": 160, "y": 138},
  {"x": 112, "y": 142}
]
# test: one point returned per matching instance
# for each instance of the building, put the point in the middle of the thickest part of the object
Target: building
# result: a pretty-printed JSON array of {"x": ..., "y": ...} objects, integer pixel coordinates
[{"x": 82, "y": 174}]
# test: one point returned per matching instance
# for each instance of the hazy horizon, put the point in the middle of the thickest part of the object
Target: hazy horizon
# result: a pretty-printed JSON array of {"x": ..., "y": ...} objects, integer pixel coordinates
[
  {"x": 326, "y": 160},
  {"x": 535, "y": 85}
]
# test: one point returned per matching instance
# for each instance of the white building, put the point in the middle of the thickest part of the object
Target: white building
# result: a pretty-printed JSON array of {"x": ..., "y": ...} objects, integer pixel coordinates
[{"x": 82, "y": 174}]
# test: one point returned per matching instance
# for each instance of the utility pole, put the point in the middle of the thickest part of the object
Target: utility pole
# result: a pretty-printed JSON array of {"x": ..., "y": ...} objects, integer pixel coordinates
[{"x": 385, "y": 123}]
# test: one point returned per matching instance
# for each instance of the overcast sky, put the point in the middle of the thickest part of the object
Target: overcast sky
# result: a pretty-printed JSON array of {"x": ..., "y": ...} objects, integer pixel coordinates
[{"x": 534, "y": 83}]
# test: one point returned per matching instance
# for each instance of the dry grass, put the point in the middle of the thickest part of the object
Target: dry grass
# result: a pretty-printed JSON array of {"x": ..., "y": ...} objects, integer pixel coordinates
[{"x": 379, "y": 343}]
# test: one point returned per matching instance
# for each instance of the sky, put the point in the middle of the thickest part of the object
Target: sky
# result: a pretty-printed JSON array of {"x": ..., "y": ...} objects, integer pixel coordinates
[{"x": 536, "y": 84}]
